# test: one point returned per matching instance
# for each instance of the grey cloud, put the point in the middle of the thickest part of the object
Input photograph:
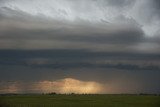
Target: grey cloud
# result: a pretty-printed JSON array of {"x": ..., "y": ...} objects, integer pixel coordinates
[
  {"x": 50, "y": 35},
  {"x": 143, "y": 12},
  {"x": 114, "y": 42},
  {"x": 117, "y": 69},
  {"x": 157, "y": 3},
  {"x": 87, "y": 34},
  {"x": 146, "y": 13},
  {"x": 83, "y": 32},
  {"x": 69, "y": 59},
  {"x": 20, "y": 29},
  {"x": 120, "y": 3},
  {"x": 153, "y": 10}
]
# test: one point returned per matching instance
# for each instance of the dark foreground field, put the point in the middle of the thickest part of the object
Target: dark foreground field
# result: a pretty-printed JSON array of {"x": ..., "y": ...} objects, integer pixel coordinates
[{"x": 79, "y": 101}]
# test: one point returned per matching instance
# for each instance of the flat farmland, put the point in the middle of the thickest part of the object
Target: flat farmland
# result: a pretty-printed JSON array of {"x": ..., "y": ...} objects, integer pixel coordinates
[{"x": 79, "y": 101}]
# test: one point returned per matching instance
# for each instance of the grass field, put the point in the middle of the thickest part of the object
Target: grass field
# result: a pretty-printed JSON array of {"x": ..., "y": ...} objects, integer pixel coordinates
[{"x": 79, "y": 101}]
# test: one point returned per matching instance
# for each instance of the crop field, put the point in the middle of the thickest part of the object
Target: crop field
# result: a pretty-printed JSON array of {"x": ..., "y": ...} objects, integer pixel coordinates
[{"x": 79, "y": 101}]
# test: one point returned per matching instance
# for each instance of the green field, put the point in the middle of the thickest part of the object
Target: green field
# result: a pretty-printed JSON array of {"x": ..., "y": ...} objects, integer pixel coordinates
[{"x": 79, "y": 101}]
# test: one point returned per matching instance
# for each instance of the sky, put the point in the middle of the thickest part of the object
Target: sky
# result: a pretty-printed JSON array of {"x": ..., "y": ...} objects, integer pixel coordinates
[{"x": 80, "y": 46}]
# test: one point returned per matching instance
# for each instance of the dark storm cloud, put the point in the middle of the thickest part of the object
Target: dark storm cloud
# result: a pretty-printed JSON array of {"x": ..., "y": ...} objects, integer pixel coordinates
[
  {"x": 21, "y": 64},
  {"x": 120, "y": 3},
  {"x": 126, "y": 36},
  {"x": 19, "y": 28},
  {"x": 116, "y": 71},
  {"x": 115, "y": 42},
  {"x": 157, "y": 4},
  {"x": 20, "y": 25},
  {"x": 152, "y": 10},
  {"x": 82, "y": 33},
  {"x": 24, "y": 31}
]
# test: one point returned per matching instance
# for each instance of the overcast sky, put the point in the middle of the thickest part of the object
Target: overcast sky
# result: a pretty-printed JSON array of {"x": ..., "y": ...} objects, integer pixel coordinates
[{"x": 113, "y": 44}]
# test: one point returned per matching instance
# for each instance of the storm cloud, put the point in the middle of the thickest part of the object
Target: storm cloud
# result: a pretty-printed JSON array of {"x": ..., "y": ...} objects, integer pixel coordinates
[
  {"x": 104, "y": 41},
  {"x": 79, "y": 23}
]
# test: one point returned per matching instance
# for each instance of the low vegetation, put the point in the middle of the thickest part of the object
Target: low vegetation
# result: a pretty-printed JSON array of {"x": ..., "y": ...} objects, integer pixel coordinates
[{"x": 74, "y": 100}]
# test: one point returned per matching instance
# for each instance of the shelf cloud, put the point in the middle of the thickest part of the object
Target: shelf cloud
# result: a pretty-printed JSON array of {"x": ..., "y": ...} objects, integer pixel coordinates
[{"x": 99, "y": 39}]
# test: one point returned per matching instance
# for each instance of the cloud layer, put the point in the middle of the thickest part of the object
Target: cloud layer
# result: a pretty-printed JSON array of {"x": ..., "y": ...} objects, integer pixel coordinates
[
  {"x": 115, "y": 42},
  {"x": 118, "y": 72},
  {"x": 144, "y": 12},
  {"x": 93, "y": 24}
]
